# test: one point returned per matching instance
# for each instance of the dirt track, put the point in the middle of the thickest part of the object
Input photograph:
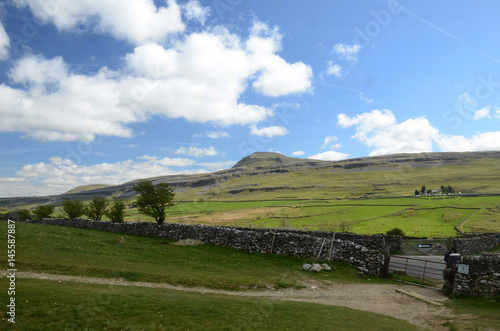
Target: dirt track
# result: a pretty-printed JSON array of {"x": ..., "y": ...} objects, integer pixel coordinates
[{"x": 381, "y": 299}]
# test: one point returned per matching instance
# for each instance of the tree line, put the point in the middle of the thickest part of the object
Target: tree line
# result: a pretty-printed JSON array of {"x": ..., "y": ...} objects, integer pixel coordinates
[{"x": 152, "y": 201}]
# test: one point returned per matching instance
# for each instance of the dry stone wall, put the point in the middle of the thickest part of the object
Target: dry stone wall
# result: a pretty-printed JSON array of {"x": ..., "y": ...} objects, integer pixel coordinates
[
  {"x": 483, "y": 278},
  {"x": 481, "y": 243},
  {"x": 366, "y": 254}
]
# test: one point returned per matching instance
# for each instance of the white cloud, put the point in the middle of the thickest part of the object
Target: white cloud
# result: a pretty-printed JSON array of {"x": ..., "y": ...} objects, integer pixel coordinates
[
  {"x": 328, "y": 140},
  {"x": 277, "y": 77},
  {"x": 362, "y": 97},
  {"x": 380, "y": 130},
  {"x": 488, "y": 141},
  {"x": 4, "y": 43},
  {"x": 347, "y": 52},
  {"x": 329, "y": 156},
  {"x": 200, "y": 79},
  {"x": 270, "y": 131},
  {"x": 57, "y": 105},
  {"x": 217, "y": 134},
  {"x": 59, "y": 175},
  {"x": 168, "y": 162},
  {"x": 334, "y": 69},
  {"x": 197, "y": 151},
  {"x": 482, "y": 113},
  {"x": 137, "y": 21},
  {"x": 195, "y": 11},
  {"x": 298, "y": 153}
]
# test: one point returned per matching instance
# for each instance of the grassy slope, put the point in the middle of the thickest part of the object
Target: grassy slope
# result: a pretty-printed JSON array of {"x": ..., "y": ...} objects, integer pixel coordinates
[
  {"x": 46, "y": 305},
  {"x": 81, "y": 252}
]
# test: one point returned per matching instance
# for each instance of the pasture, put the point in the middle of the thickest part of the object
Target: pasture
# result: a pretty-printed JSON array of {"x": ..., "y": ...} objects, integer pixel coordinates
[{"x": 433, "y": 217}]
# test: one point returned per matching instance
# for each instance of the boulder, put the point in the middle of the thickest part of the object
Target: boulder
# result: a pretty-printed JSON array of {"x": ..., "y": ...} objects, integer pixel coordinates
[
  {"x": 306, "y": 266},
  {"x": 316, "y": 267},
  {"x": 326, "y": 267}
]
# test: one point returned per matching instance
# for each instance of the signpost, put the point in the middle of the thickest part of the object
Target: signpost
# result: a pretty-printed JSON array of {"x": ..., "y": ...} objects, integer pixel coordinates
[{"x": 463, "y": 269}]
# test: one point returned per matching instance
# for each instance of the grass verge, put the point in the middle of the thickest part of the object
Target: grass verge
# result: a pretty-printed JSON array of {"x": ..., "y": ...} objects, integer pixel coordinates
[
  {"x": 47, "y": 305},
  {"x": 92, "y": 253}
]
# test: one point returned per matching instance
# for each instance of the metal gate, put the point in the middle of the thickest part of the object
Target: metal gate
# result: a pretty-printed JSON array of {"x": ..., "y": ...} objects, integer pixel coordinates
[
  {"x": 417, "y": 271},
  {"x": 426, "y": 246}
]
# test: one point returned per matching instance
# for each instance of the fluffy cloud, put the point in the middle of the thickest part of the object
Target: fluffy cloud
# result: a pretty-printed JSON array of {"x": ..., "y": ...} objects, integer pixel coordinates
[
  {"x": 137, "y": 21},
  {"x": 59, "y": 175},
  {"x": 329, "y": 156},
  {"x": 298, "y": 153},
  {"x": 270, "y": 131},
  {"x": 4, "y": 44},
  {"x": 193, "y": 10},
  {"x": 347, "y": 52},
  {"x": 334, "y": 69},
  {"x": 197, "y": 151},
  {"x": 380, "y": 130},
  {"x": 277, "y": 77},
  {"x": 200, "y": 79},
  {"x": 482, "y": 113},
  {"x": 488, "y": 141}
]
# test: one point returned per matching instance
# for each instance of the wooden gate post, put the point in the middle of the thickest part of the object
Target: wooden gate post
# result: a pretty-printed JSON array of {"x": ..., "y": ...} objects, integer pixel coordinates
[{"x": 387, "y": 258}]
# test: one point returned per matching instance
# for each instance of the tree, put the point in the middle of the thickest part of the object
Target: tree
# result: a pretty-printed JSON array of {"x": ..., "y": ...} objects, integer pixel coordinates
[
  {"x": 154, "y": 199},
  {"x": 417, "y": 192},
  {"x": 42, "y": 212},
  {"x": 116, "y": 212},
  {"x": 96, "y": 208},
  {"x": 24, "y": 214},
  {"x": 73, "y": 208},
  {"x": 395, "y": 232},
  {"x": 424, "y": 189}
]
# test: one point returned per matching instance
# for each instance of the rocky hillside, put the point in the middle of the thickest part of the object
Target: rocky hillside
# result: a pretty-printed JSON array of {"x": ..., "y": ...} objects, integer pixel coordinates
[{"x": 275, "y": 176}]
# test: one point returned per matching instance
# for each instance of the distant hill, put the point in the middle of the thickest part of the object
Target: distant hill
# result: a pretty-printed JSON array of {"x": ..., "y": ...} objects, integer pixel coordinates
[
  {"x": 84, "y": 188},
  {"x": 274, "y": 176}
]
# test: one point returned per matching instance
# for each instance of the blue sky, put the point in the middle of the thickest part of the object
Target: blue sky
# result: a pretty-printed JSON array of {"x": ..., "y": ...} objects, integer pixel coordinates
[{"x": 110, "y": 91}]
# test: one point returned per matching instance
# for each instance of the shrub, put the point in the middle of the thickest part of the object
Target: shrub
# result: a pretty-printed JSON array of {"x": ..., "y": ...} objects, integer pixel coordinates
[
  {"x": 395, "y": 232},
  {"x": 116, "y": 213},
  {"x": 73, "y": 208},
  {"x": 96, "y": 208},
  {"x": 42, "y": 212},
  {"x": 24, "y": 214}
]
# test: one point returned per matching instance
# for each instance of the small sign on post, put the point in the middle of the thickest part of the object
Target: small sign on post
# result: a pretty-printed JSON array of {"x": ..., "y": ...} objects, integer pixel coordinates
[
  {"x": 463, "y": 269},
  {"x": 427, "y": 246}
]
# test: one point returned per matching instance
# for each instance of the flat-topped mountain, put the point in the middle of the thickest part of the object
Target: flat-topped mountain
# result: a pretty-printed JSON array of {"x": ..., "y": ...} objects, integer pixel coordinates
[{"x": 273, "y": 176}]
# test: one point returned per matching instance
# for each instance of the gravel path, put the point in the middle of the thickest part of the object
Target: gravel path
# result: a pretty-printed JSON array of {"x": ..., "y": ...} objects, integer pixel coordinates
[{"x": 377, "y": 298}]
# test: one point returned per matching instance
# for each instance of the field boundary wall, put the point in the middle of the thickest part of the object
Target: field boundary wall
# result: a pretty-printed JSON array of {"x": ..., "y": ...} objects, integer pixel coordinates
[
  {"x": 364, "y": 252},
  {"x": 481, "y": 279}
]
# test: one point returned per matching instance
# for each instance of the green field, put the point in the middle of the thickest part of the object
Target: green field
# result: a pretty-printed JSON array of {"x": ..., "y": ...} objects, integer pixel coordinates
[{"x": 433, "y": 217}]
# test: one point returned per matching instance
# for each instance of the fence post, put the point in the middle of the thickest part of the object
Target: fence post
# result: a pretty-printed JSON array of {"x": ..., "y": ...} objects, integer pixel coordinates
[
  {"x": 272, "y": 243},
  {"x": 331, "y": 247},
  {"x": 387, "y": 258},
  {"x": 319, "y": 253}
]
